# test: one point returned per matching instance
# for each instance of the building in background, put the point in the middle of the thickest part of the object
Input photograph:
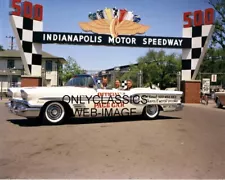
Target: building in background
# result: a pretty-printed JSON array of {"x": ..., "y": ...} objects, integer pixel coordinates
[
  {"x": 111, "y": 73},
  {"x": 11, "y": 69}
]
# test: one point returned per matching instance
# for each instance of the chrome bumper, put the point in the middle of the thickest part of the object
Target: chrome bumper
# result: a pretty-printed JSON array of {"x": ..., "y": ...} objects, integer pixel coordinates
[
  {"x": 174, "y": 107},
  {"x": 179, "y": 107},
  {"x": 20, "y": 108}
]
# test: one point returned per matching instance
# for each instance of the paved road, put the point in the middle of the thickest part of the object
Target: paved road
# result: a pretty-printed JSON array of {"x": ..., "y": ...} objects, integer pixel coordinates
[{"x": 186, "y": 144}]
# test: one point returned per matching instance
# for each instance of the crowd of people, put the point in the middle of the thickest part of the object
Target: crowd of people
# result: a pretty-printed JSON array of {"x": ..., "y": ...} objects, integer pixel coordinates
[{"x": 117, "y": 84}]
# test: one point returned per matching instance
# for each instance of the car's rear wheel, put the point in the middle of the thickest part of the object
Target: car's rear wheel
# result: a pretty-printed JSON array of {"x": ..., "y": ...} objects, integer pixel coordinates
[
  {"x": 151, "y": 111},
  {"x": 218, "y": 103},
  {"x": 54, "y": 113}
]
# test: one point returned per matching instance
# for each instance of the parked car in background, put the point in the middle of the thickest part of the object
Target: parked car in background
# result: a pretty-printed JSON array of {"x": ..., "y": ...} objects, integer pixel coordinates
[
  {"x": 171, "y": 89},
  {"x": 219, "y": 98}
]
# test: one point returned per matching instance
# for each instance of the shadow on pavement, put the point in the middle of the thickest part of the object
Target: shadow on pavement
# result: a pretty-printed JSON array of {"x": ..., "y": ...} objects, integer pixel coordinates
[
  {"x": 36, "y": 122},
  {"x": 223, "y": 108}
]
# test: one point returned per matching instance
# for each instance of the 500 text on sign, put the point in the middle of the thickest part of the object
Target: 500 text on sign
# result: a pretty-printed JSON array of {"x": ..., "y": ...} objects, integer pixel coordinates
[{"x": 26, "y": 9}]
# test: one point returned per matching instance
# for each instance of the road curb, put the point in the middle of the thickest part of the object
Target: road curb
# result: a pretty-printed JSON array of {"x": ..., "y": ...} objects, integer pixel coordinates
[{"x": 210, "y": 106}]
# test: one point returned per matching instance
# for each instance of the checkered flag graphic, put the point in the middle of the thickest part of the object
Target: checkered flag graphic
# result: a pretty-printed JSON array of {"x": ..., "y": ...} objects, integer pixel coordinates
[
  {"x": 98, "y": 81},
  {"x": 192, "y": 58},
  {"x": 124, "y": 84},
  {"x": 30, "y": 52}
]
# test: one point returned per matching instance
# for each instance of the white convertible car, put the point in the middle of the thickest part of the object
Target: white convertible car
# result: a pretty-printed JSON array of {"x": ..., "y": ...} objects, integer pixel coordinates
[{"x": 81, "y": 97}]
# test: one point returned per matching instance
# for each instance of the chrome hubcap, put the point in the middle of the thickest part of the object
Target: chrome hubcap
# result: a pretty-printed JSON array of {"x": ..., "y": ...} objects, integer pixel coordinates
[
  {"x": 151, "y": 110},
  {"x": 54, "y": 112}
]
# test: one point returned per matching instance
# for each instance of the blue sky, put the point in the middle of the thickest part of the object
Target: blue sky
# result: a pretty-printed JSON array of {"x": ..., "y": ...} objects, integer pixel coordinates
[{"x": 165, "y": 18}]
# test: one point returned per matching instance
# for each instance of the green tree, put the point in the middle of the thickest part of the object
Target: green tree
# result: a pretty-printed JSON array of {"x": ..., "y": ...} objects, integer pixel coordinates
[
  {"x": 1, "y": 48},
  {"x": 157, "y": 68},
  {"x": 214, "y": 62},
  {"x": 131, "y": 74},
  {"x": 218, "y": 37},
  {"x": 70, "y": 69}
]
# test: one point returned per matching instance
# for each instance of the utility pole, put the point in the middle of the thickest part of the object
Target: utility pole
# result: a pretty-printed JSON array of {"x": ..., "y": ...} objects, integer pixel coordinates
[
  {"x": 140, "y": 78},
  {"x": 179, "y": 81},
  {"x": 12, "y": 41}
]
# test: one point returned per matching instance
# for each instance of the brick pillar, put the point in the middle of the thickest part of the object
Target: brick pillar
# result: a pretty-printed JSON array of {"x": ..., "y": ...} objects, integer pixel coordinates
[
  {"x": 191, "y": 90},
  {"x": 31, "y": 81}
]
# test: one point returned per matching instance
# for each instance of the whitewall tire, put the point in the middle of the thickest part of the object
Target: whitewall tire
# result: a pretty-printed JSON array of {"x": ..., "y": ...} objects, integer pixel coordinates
[
  {"x": 151, "y": 111},
  {"x": 54, "y": 113}
]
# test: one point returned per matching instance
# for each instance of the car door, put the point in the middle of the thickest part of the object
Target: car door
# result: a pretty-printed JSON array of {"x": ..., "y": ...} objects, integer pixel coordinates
[{"x": 109, "y": 102}]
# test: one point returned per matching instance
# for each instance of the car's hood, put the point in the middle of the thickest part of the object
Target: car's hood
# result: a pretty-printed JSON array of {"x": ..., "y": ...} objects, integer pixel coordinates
[
  {"x": 57, "y": 92},
  {"x": 14, "y": 92},
  {"x": 220, "y": 93}
]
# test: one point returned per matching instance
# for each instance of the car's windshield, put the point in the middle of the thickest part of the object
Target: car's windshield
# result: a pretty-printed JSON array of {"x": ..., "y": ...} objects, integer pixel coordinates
[{"x": 81, "y": 81}]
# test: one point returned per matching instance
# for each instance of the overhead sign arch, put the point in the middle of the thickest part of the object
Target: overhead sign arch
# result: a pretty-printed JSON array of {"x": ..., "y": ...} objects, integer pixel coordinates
[{"x": 110, "y": 27}]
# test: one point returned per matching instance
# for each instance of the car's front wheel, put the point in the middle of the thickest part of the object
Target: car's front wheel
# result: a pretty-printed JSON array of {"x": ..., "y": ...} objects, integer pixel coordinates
[
  {"x": 151, "y": 111},
  {"x": 54, "y": 113}
]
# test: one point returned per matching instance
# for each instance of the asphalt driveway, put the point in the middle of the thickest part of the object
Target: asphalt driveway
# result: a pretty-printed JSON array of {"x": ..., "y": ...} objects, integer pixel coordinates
[{"x": 185, "y": 144}]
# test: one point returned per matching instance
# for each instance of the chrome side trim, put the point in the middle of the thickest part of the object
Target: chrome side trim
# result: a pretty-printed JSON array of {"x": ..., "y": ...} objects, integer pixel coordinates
[{"x": 51, "y": 99}]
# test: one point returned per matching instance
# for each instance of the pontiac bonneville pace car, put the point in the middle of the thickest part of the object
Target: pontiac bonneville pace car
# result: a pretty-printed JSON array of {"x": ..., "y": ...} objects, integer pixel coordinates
[{"x": 81, "y": 97}]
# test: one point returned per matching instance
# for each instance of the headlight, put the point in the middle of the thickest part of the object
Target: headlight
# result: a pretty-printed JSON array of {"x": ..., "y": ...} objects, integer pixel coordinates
[{"x": 23, "y": 95}]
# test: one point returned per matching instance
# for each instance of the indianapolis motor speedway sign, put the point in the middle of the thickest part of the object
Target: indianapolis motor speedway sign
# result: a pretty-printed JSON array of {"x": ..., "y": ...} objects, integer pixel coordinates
[{"x": 110, "y": 27}]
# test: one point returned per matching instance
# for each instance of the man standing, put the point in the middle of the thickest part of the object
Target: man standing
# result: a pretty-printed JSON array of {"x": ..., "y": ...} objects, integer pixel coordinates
[
  {"x": 129, "y": 85},
  {"x": 104, "y": 84},
  {"x": 117, "y": 85}
]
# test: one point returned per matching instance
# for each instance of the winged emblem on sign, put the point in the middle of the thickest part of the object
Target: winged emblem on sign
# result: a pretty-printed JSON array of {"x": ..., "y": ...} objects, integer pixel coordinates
[{"x": 114, "y": 22}]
